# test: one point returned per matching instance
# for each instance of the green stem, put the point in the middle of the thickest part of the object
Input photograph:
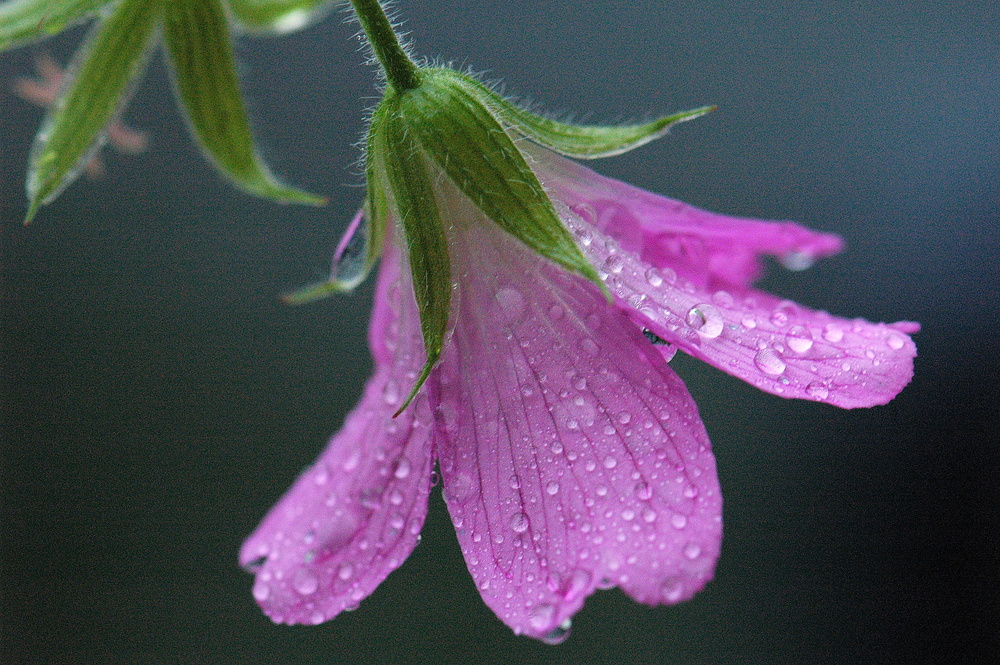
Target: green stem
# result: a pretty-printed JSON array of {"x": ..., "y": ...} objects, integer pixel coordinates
[{"x": 400, "y": 71}]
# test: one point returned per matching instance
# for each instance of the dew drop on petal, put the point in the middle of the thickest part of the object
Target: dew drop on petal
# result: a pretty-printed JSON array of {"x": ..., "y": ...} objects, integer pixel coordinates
[
  {"x": 799, "y": 339},
  {"x": 519, "y": 522},
  {"x": 541, "y": 616},
  {"x": 654, "y": 277},
  {"x": 833, "y": 333},
  {"x": 558, "y": 634},
  {"x": 610, "y": 462},
  {"x": 345, "y": 570},
  {"x": 552, "y": 488},
  {"x": 261, "y": 591},
  {"x": 692, "y": 550},
  {"x": 643, "y": 491},
  {"x": 511, "y": 302},
  {"x": 590, "y": 347},
  {"x": 679, "y": 521},
  {"x": 402, "y": 468},
  {"x": 305, "y": 581},
  {"x": 894, "y": 341},
  {"x": 817, "y": 390},
  {"x": 769, "y": 361},
  {"x": 706, "y": 319},
  {"x": 514, "y": 482},
  {"x": 672, "y": 590}
]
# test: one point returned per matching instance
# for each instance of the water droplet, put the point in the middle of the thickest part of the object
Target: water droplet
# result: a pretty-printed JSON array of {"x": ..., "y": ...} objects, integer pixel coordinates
[
  {"x": 558, "y": 634},
  {"x": 894, "y": 341},
  {"x": 723, "y": 298},
  {"x": 817, "y": 391},
  {"x": 748, "y": 323},
  {"x": 654, "y": 277},
  {"x": 799, "y": 339},
  {"x": 555, "y": 312},
  {"x": 782, "y": 313},
  {"x": 601, "y": 490},
  {"x": 679, "y": 521},
  {"x": 519, "y": 522},
  {"x": 692, "y": 550},
  {"x": 610, "y": 462},
  {"x": 797, "y": 261},
  {"x": 590, "y": 347},
  {"x": 261, "y": 591},
  {"x": 511, "y": 302},
  {"x": 396, "y": 497},
  {"x": 345, "y": 570},
  {"x": 552, "y": 488},
  {"x": 322, "y": 474},
  {"x": 391, "y": 392},
  {"x": 614, "y": 264},
  {"x": 672, "y": 590},
  {"x": 628, "y": 514},
  {"x": 402, "y": 468},
  {"x": 305, "y": 581},
  {"x": 769, "y": 361},
  {"x": 515, "y": 482},
  {"x": 706, "y": 319},
  {"x": 833, "y": 333},
  {"x": 540, "y": 617},
  {"x": 624, "y": 417},
  {"x": 643, "y": 491},
  {"x": 690, "y": 492}
]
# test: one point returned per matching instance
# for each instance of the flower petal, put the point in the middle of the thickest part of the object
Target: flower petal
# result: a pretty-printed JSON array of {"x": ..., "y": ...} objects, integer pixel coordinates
[
  {"x": 707, "y": 249},
  {"x": 776, "y": 345},
  {"x": 572, "y": 456},
  {"x": 356, "y": 514}
]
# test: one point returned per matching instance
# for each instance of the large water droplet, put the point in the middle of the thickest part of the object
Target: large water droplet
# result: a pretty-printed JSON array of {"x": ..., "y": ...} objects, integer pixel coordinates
[
  {"x": 679, "y": 521},
  {"x": 552, "y": 488},
  {"x": 541, "y": 616},
  {"x": 558, "y": 634},
  {"x": 706, "y": 319},
  {"x": 391, "y": 392},
  {"x": 345, "y": 570},
  {"x": 692, "y": 550},
  {"x": 511, "y": 302},
  {"x": 654, "y": 277},
  {"x": 305, "y": 581},
  {"x": 817, "y": 391},
  {"x": 799, "y": 339},
  {"x": 610, "y": 462},
  {"x": 519, "y": 522},
  {"x": 672, "y": 590},
  {"x": 402, "y": 468},
  {"x": 614, "y": 264},
  {"x": 895, "y": 341},
  {"x": 769, "y": 361},
  {"x": 833, "y": 333},
  {"x": 643, "y": 491},
  {"x": 261, "y": 591}
]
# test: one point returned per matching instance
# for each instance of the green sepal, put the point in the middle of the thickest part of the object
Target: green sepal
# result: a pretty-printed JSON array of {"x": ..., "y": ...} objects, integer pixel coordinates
[
  {"x": 585, "y": 141},
  {"x": 198, "y": 41},
  {"x": 449, "y": 117},
  {"x": 102, "y": 74},
  {"x": 26, "y": 20},
  {"x": 277, "y": 16},
  {"x": 413, "y": 200},
  {"x": 356, "y": 253}
]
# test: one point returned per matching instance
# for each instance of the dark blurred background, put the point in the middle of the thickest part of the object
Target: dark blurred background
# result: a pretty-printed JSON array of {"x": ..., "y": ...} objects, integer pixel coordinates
[{"x": 157, "y": 398}]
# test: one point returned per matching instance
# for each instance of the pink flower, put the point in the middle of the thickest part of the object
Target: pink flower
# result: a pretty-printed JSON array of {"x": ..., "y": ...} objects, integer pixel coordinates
[{"x": 572, "y": 456}]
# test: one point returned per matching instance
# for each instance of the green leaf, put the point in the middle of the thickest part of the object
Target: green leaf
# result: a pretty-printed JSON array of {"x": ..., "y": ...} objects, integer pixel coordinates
[
  {"x": 25, "y": 20},
  {"x": 413, "y": 197},
  {"x": 102, "y": 73},
  {"x": 582, "y": 141},
  {"x": 200, "y": 50},
  {"x": 449, "y": 119},
  {"x": 278, "y": 16}
]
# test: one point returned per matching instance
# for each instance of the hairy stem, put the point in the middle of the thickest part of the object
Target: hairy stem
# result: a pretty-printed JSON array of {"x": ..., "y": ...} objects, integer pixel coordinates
[{"x": 401, "y": 72}]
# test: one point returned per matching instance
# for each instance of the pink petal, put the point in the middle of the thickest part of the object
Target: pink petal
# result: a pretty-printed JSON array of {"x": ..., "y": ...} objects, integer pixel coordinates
[
  {"x": 572, "y": 456},
  {"x": 709, "y": 250},
  {"x": 355, "y": 515},
  {"x": 776, "y": 345}
]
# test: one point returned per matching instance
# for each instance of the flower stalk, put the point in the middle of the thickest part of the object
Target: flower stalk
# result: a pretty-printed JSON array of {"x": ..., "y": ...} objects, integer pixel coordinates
[{"x": 400, "y": 72}]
